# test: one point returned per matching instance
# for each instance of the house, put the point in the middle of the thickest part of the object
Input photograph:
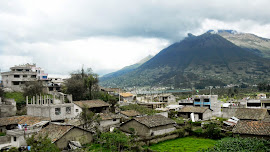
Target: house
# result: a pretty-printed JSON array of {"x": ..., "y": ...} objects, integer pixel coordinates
[
  {"x": 153, "y": 105},
  {"x": 127, "y": 97},
  {"x": 54, "y": 108},
  {"x": 169, "y": 98},
  {"x": 20, "y": 74},
  {"x": 108, "y": 120},
  {"x": 200, "y": 113},
  {"x": 252, "y": 129},
  {"x": 96, "y": 106},
  {"x": 149, "y": 125},
  {"x": 130, "y": 114},
  {"x": 210, "y": 101},
  {"x": 252, "y": 114},
  {"x": 19, "y": 136},
  {"x": 62, "y": 134},
  {"x": 9, "y": 123}
]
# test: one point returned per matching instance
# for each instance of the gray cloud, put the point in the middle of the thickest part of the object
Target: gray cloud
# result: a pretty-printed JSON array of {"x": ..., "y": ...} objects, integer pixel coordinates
[{"x": 48, "y": 25}]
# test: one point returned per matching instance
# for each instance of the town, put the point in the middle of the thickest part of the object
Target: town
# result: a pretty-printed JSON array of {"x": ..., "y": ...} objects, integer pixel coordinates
[{"x": 77, "y": 114}]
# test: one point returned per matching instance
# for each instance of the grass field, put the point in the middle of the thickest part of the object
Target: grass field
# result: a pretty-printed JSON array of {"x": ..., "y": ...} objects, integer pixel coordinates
[{"x": 187, "y": 144}]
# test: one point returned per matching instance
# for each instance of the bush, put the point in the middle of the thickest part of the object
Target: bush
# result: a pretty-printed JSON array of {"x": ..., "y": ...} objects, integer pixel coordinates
[
  {"x": 198, "y": 132},
  {"x": 241, "y": 144},
  {"x": 212, "y": 131}
]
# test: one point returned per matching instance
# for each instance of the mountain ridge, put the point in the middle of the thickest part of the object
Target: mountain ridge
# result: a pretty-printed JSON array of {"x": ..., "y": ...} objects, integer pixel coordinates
[{"x": 207, "y": 59}]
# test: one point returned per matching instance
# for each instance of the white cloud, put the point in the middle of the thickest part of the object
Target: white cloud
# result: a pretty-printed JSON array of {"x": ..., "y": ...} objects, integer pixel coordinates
[{"x": 102, "y": 54}]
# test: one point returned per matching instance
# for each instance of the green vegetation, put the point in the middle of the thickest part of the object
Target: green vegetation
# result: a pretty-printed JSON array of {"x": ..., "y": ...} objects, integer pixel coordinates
[
  {"x": 42, "y": 144},
  {"x": 17, "y": 96},
  {"x": 33, "y": 88},
  {"x": 241, "y": 144},
  {"x": 2, "y": 134},
  {"x": 187, "y": 144},
  {"x": 141, "y": 109}
]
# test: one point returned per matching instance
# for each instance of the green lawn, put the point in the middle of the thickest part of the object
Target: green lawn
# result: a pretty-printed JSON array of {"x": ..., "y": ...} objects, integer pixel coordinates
[{"x": 190, "y": 144}]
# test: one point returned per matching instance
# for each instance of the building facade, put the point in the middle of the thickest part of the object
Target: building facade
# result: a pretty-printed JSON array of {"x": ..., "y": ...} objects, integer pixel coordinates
[{"x": 18, "y": 75}]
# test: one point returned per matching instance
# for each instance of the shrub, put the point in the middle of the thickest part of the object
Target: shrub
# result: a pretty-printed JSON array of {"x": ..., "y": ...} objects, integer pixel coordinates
[
  {"x": 198, "y": 132},
  {"x": 241, "y": 144},
  {"x": 212, "y": 131}
]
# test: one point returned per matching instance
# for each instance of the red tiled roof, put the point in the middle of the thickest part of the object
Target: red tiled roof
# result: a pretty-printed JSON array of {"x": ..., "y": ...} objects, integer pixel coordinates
[
  {"x": 252, "y": 128},
  {"x": 130, "y": 113}
]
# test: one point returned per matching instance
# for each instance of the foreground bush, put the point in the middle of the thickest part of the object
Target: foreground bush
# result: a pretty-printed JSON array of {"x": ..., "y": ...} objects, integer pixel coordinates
[{"x": 241, "y": 144}]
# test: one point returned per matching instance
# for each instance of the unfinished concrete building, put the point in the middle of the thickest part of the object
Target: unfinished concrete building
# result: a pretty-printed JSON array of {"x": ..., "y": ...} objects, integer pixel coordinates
[
  {"x": 54, "y": 108},
  {"x": 20, "y": 74}
]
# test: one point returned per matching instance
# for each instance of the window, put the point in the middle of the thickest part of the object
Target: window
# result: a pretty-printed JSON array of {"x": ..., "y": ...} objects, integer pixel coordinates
[
  {"x": 114, "y": 119},
  {"x": 57, "y": 111},
  {"x": 16, "y": 76},
  {"x": 33, "y": 76},
  {"x": 77, "y": 110},
  {"x": 206, "y": 100},
  {"x": 16, "y": 83},
  {"x": 27, "y": 70},
  {"x": 25, "y": 76},
  {"x": 14, "y": 138},
  {"x": 68, "y": 110}
]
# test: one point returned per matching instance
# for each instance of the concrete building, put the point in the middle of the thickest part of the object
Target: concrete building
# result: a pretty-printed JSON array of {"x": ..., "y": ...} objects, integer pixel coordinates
[
  {"x": 168, "y": 98},
  {"x": 51, "y": 107},
  {"x": 200, "y": 113},
  {"x": 210, "y": 101},
  {"x": 149, "y": 125},
  {"x": 259, "y": 103},
  {"x": 153, "y": 105},
  {"x": 20, "y": 74},
  {"x": 61, "y": 134},
  {"x": 7, "y": 107}
]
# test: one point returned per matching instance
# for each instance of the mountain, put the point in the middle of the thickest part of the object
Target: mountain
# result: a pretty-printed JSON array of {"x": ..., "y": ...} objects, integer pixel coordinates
[
  {"x": 198, "y": 61},
  {"x": 124, "y": 70},
  {"x": 250, "y": 42}
]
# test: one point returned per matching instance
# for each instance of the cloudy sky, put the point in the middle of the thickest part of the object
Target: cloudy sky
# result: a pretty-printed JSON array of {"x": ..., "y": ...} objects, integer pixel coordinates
[{"x": 61, "y": 36}]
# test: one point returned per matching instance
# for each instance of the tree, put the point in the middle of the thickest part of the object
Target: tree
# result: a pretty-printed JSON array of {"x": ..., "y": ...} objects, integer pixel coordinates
[
  {"x": 87, "y": 118},
  {"x": 82, "y": 85},
  {"x": 33, "y": 88},
  {"x": 114, "y": 141},
  {"x": 41, "y": 144},
  {"x": 91, "y": 82}
]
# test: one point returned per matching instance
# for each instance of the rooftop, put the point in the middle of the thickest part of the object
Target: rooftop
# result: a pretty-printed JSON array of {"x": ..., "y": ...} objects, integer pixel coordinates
[
  {"x": 154, "y": 121},
  {"x": 91, "y": 103},
  {"x": 55, "y": 131},
  {"x": 250, "y": 113},
  {"x": 127, "y": 94},
  {"x": 29, "y": 120},
  {"x": 252, "y": 128},
  {"x": 130, "y": 113},
  {"x": 193, "y": 109}
]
